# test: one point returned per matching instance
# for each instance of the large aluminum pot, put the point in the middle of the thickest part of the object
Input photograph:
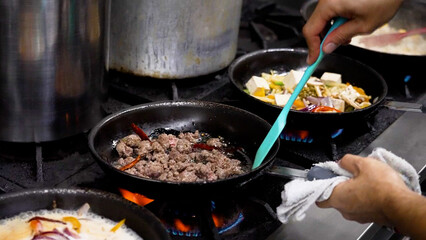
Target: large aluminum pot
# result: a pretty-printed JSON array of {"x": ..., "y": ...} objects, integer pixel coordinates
[
  {"x": 51, "y": 68},
  {"x": 173, "y": 39}
]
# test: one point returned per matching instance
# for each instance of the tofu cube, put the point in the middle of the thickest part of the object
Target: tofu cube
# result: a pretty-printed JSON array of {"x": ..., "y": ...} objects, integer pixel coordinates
[
  {"x": 281, "y": 99},
  {"x": 338, "y": 104},
  {"x": 331, "y": 78},
  {"x": 292, "y": 78},
  {"x": 257, "y": 86},
  {"x": 315, "y": 81}
]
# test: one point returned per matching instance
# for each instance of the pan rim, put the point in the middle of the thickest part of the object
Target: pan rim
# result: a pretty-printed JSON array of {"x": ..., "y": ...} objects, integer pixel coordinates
[{"x": 272, "y": 153}]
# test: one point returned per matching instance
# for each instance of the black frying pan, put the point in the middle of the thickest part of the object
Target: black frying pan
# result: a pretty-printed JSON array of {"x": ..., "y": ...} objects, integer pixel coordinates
[
  {"x": 241, "y": 128},
  {"x": 283, "y": 60},
  {"x": 105, "y": 204}
]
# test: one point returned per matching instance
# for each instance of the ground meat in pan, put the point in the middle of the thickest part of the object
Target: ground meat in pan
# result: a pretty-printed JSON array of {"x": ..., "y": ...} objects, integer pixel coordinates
[{"x": 174, "y": 158}]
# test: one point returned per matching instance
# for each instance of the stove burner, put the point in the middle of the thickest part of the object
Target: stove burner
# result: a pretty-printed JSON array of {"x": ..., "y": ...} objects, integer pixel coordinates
[
  {"x": 296, "y": 136},
  {"x": 182, "y": 218},
  {"x": 179, "y": 228},
  {"x": 304, "y": 136},
  {"x": 220, "y": 218}
]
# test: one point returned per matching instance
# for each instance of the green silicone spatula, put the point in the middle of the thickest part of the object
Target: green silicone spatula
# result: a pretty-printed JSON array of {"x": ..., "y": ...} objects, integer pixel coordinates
[{"x": 281, "y": 121}]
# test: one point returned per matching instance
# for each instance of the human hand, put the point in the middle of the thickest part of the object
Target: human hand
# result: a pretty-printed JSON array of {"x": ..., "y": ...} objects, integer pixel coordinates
[
  {"x": 366, "y": 197},
  {"x": 364, "y": 16}
]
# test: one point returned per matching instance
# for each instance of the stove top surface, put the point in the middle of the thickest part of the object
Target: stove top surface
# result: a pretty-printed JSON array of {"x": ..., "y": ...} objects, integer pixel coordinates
[{"x": 264, "y": 24}]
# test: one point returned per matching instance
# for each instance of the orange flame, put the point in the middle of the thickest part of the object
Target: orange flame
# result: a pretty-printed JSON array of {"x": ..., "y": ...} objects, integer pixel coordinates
[
  {"x": 182, "y": 226},
  {"x": 137, "y": 198},
  {"x": 303, "y": 134},
  {"x": 218, "y": 221}
]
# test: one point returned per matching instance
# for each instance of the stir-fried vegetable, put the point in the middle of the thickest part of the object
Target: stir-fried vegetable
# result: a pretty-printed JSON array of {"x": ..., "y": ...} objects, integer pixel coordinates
[
  {"x": 324, "y": 109},
  {"x": 76, "y": 225},
  {"x": 325, "y": 94},
  {"x": 118, "y": 225}
]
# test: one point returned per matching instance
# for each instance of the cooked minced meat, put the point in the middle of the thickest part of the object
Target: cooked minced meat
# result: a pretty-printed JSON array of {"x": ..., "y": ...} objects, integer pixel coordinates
[{"x": 175, "y": 158}]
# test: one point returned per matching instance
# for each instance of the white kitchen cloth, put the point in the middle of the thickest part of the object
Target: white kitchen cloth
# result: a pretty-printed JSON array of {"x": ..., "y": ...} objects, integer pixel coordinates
[{"x": 299, "y": 194}]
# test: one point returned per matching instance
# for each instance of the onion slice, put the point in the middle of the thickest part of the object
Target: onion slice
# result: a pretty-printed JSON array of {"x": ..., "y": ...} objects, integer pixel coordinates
[
  {"x": 308, "y": 108},
  {"x": 50, "y": 235},
  {"x": 70, "y": 233},
  {"x": 83, "y": 210}
]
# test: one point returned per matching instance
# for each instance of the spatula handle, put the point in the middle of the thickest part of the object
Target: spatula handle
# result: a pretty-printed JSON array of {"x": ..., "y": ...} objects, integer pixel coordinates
[{"x": 281, "y": 120}]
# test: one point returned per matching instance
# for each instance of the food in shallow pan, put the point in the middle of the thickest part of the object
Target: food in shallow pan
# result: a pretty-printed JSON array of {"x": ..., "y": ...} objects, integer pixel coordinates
[
  {"x": 410, "y": 45},
  {"x": 324, "y": 94},
  {"x": 178, "y": 156},
  {"x": 61, "y": 224}
]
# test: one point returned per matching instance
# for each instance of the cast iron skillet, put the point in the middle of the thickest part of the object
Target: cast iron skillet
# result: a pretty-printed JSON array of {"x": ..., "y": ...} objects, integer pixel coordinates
[
  {"x": 284, "y": 60},
  {"x": 105, "y": 204},
  {"x": 241, "y": 128}
]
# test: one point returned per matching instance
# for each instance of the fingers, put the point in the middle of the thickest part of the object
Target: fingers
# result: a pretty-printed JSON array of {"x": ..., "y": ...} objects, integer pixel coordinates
[
  {"x": 313, "y": 48},
  {"x": 323, "y": 204},
  {"x": 341, "y": 36},
  {"x": 351, "y": 163},
  {"x": 313, "y": 28},
  {"x": 331, "y": 201}
]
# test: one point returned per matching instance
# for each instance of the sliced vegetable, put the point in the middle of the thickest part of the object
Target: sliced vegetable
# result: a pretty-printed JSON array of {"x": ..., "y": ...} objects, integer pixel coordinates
[
  {"x": 140, "y": 132},
  {"x": 71, "y": 234},
  {"x": 50, "y": 235},
  {"x": 36, "y": 226},
  {"x": 83, "y": 209},
  {"x": 46, "y": 219},
  {"x": 118, "y": 225},
  {"x": 308, "y": 108},
  {"x": 130, "y": 165},
  {"x": 76, "y": 225},
  {"x": 359, "y": 90},
  {"x": 203, "y": 146},
  {"x": 275, "y": 86},
  {"x": 298, "y": 104},
  {"x": 324, "y": 109},
  {"x": 279, "y": 83},
  {"x": 266, "y": 99},
  {"x": 260, "y": 92}
]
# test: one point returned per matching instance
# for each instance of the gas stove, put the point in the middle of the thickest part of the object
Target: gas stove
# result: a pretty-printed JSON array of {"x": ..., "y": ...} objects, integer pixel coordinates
[{"x": 264, "y": 24}]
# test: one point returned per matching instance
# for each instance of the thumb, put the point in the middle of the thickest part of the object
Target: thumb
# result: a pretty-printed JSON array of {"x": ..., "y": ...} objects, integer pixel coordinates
[
  {"x": 340, "y": 36},
  {"x": 351, "y": 163}
]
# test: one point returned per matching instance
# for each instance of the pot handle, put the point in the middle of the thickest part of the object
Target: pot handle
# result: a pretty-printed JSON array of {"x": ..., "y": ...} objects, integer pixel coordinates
[{"x": 405, "y": 106}]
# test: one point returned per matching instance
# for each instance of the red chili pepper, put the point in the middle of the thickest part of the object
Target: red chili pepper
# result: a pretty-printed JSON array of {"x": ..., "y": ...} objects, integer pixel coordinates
[
  {"x": 130, "y": 165},
  {"x": 140, "y": 132},
  {"x": 324, "y": 109},
  {"x": 203, "y": 146}
]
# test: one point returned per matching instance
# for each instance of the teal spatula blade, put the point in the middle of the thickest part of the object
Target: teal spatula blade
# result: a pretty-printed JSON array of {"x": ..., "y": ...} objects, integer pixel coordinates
[{"x": 281, "y": 121}]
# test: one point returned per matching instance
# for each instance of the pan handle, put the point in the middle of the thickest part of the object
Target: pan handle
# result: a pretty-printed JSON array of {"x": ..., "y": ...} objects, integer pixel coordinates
[
  {"x": 315, "y": 173},
  {"x": 405, "y": 106}
]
